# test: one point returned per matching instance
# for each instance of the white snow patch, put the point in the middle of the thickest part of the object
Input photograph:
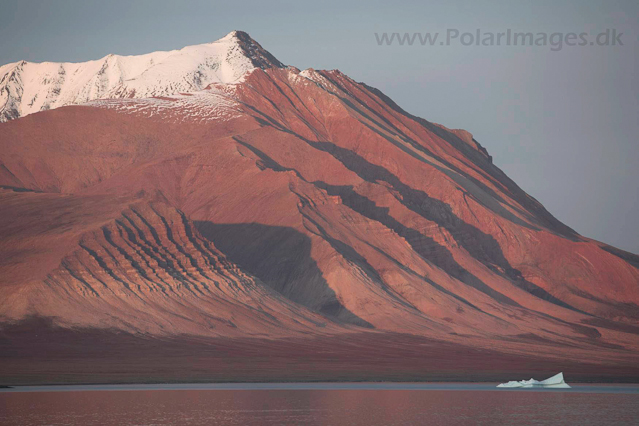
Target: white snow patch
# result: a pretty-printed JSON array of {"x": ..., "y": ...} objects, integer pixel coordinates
[
  {"x": 318, "y": 79},
  {"x": 27, "y": 87}
]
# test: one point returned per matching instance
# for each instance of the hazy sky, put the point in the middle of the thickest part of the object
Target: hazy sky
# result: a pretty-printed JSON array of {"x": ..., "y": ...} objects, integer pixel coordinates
[{"x": 563, "y": 124}]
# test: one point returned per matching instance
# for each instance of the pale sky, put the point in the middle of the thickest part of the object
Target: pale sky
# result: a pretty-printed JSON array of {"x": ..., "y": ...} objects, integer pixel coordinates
[{"x": 563, "y": 124}]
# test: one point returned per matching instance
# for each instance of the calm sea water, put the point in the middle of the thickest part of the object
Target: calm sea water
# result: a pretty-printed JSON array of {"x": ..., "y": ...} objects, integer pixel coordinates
[{"x": 318, "y": 404}]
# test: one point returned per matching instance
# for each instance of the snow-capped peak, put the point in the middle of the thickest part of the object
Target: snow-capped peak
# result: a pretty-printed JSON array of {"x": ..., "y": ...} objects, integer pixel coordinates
[{"x": 27, "y": 87}]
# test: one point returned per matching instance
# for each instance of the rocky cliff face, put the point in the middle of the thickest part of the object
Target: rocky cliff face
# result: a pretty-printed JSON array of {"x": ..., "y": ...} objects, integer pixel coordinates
[{"x": 293, "y": 203}]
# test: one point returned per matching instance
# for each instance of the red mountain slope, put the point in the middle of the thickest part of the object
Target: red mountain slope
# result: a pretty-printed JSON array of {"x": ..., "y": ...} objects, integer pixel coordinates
[{"x": 294, "y": 203}]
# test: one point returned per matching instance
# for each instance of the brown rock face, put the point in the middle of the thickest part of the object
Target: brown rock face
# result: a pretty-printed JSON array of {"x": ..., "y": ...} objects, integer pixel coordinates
[
  {"x": 134, "y": 265},
  {"x": 295, "y": 204}
]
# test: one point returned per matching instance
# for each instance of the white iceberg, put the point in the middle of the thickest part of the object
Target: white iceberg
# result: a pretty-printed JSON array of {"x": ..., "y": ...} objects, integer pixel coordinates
[{"x": 554, "y": 382}]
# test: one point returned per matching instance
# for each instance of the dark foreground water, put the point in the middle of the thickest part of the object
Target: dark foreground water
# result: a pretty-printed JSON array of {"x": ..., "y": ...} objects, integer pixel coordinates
[{"x": 318, "y": 404}]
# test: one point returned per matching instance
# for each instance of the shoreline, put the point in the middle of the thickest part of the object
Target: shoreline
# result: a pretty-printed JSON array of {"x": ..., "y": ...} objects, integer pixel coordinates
[
  {"x": 623, "y": 388},
  {"x": 63, "y": 357},
  {"x": 294, "y": 383}
]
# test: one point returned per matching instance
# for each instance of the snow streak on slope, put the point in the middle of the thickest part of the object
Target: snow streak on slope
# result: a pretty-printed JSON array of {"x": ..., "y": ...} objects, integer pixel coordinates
[
  {"x": 27, "y": 87},
  {"x": 196, "y": 107}
]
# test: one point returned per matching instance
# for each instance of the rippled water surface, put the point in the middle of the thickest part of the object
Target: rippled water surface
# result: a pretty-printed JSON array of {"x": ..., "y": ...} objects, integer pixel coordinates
[{"x": 317, "y": 404}]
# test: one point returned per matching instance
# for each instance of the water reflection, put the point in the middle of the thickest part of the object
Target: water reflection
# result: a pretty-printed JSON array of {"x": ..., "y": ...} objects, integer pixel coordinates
[{"x": 315, "y": 407}]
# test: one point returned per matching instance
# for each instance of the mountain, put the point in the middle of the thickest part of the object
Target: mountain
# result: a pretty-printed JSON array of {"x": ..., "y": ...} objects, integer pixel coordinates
[
  {"x": 27, "y": 87},
  {"x": 269, "y": 216}
]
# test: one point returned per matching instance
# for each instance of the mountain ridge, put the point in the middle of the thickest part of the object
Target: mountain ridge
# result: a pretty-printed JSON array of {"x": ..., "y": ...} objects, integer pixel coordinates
[{"x": 27, "y": 87}]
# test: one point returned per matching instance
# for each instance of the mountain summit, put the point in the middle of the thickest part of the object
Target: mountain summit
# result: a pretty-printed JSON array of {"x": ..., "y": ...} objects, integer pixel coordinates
[
  {"x": 27, "y": 87},
  {"x": 213, "y": 205}
]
